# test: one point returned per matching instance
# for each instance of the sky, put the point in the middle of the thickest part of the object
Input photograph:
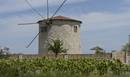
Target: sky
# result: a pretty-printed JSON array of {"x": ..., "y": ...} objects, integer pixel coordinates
[{"x": 106, "y": 23}]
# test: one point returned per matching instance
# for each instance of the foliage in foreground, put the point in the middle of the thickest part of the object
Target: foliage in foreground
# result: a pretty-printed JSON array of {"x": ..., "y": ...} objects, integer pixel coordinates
[{"x": 44, "y": 67}]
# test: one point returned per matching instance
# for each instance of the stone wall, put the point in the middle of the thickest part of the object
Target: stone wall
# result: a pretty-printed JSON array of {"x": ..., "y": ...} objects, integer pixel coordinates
[{"x": 69, "y": 56}]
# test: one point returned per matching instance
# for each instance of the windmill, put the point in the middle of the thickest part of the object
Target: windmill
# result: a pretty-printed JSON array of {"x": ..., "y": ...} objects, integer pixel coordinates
[{"x": 53, "y": 27}]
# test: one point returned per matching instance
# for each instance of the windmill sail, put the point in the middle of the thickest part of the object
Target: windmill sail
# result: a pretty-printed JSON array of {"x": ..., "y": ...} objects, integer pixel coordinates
[
  {"x": 27, "y": 23},
  {"x": 48, "y": 22},
  {"x": 58, "y": 9},
  {"x": 33, "y": 9},
  {"x": 32, "y": 40}
]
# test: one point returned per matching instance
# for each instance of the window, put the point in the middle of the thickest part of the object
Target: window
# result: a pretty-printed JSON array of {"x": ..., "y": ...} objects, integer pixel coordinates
[
  {"x": 75, "y": 28},
  {"x": 43, "y": 29}
]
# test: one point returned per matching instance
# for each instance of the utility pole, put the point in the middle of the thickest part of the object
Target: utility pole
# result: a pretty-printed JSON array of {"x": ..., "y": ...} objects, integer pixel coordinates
[
  {"x": 127, "y": 55},
  {"x": 129, "y": 44}
]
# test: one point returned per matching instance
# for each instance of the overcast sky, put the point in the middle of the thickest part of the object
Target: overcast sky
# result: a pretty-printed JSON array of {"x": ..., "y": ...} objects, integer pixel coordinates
[{"x": 106, "y": 23}]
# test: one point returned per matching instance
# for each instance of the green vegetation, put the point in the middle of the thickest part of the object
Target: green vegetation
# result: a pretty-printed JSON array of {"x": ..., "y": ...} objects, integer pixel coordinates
[
  {"x": 98, "y": 50},
  {"x": 125, "y": 47},
  {"x": 45, "y": 67},
  {"x": 56, "y": 46},
  {"x": 3, "y": 54}
]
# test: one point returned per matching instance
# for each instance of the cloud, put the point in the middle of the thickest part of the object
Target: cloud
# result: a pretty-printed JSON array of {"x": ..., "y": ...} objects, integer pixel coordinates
[
  {"x": 104, "y": 20},
  {"x": 16, "y": 37},
  {"x": 126, "y": 1},
  {"x": 125, "y": 5},
  {"x": 21, "y": 5},
  {"x": 11, "y": 24}
]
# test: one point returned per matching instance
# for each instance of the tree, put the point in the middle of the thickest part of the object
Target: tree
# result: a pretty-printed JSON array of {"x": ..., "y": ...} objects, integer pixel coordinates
[
  {"x": 98, "y": 50},
  {"x": 56, "y": 46},
  {"x": 125, "y": 47},
  {"x": 4, "y": 52}
]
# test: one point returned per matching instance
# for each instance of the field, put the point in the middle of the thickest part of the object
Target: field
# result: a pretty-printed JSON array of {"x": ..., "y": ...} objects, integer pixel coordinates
[{"x": 46, "y": 67}]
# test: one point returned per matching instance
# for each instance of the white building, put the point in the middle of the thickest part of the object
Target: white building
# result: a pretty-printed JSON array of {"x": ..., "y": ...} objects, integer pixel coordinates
[
  {"x": 4, "y": 50},
  {"x": 63, "y": 28}
]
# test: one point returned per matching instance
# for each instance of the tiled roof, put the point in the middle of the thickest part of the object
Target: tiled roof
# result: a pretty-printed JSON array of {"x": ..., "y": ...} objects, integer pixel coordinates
[{"x": 62, "y": 18}]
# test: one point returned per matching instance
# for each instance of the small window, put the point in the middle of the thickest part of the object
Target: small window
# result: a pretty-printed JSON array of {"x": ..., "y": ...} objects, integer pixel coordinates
[
  {"x": 43, "y": 29},
  {"x": 75, "y": 28}
]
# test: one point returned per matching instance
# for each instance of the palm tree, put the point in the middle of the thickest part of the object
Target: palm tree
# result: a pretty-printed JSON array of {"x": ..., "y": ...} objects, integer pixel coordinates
[
  {"x": 56, "y": 46},
  {"x": 98, "y": 50}
]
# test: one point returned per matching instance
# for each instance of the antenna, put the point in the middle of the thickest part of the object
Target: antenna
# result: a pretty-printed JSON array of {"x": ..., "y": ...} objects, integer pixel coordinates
[{"x": 33, "y": 8}]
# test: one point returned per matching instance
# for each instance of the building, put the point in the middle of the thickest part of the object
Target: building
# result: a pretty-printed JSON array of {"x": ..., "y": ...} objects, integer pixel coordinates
[
  {"x": 63, "y": 28},
  {"x": 120, "y": 55},
  {"x": 4, "y": 50}
]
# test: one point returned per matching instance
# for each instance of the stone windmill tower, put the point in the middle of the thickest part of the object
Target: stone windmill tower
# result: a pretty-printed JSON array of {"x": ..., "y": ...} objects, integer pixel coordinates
[
  {"x": 57, "y": 27},
  {"x": 63, "y": 28}
]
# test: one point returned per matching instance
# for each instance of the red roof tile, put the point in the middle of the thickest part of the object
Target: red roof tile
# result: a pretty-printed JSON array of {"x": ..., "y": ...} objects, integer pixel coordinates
[
  {"x": 63, "y": 18},
  {"x": 60, "y": 17}
]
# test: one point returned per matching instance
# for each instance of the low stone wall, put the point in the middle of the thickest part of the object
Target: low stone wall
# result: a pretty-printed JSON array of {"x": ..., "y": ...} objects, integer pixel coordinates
[{"x": 70, "y": 56}]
